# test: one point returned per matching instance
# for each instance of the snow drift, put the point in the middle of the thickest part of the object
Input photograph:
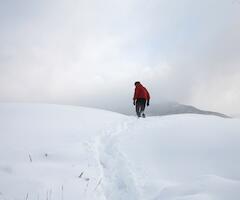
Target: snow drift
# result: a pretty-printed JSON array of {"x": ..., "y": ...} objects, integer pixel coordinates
[{"x": 66, "y": 153}]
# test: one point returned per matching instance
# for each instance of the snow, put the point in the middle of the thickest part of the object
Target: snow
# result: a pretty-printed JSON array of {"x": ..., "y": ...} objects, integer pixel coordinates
[{"x": 53, "y": 152}]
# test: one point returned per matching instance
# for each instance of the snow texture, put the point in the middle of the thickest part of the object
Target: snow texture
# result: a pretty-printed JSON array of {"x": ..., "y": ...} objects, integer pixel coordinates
[{"x": 52, "y": 152}]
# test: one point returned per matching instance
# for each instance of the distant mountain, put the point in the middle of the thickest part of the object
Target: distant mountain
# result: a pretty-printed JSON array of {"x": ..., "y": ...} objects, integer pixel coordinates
[
  {"x": 166, "y": 108},
  {"x": 176, "y": 108}
]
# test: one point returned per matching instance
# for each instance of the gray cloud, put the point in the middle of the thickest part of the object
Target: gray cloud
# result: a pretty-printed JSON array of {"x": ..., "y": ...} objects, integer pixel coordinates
[{"x": 91, "y": 52}]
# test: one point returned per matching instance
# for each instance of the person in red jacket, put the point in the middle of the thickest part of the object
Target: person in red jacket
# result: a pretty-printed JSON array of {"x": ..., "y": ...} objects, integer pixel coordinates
[{"x": 140, "y": 98}]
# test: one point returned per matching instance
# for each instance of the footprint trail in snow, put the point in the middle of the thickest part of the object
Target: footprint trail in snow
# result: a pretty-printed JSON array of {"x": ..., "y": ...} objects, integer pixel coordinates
[{"x": 118, "y": 179}]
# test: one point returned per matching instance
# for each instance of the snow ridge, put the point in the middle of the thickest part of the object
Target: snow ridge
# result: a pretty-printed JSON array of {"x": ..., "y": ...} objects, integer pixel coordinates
[{"x": 66, "y": 153}]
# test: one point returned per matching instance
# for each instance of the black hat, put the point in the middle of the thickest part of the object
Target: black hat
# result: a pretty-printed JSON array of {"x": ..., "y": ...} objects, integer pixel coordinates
[{"x": 137, "y": 82}]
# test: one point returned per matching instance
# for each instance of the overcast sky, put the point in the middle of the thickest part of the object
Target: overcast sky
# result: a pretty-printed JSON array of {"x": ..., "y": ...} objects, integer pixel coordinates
[{"x": 88, "y": 52}]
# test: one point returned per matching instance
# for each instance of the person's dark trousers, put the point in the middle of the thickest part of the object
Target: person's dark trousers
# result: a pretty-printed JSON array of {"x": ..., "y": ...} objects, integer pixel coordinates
[{"x": 140, "y": 106}]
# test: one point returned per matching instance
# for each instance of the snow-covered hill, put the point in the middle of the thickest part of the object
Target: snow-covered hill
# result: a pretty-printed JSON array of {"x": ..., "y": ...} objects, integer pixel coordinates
[{"x": 67, "y": 153}]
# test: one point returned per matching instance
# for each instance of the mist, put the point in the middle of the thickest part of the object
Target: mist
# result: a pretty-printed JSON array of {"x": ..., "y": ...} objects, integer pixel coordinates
[{"x": 90, "y": 52}]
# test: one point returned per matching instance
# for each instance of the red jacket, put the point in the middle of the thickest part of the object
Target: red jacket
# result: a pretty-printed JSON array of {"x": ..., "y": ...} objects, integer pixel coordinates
[{"x": 141, "y": 93}]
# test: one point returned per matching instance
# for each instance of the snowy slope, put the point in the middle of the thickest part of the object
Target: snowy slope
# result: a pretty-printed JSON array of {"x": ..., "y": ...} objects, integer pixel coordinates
[{"x": 66, "y": 153}]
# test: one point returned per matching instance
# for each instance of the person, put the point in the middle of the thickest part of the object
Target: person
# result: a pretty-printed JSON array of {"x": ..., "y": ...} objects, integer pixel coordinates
[{"x": 140, "y": 98}]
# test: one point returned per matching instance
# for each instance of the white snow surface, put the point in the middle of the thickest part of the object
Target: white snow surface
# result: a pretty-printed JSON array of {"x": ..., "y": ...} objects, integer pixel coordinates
[{"x": 52, "y": 152}]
